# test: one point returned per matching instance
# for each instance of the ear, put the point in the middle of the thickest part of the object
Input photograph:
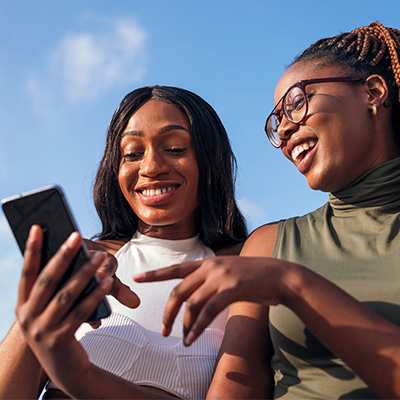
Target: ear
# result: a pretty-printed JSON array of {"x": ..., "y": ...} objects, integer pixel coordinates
[{"x": 377, "y": 90}]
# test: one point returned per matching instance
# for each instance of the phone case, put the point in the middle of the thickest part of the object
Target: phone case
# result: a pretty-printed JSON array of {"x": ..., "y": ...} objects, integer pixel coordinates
[{"x": 48, "y": 208}]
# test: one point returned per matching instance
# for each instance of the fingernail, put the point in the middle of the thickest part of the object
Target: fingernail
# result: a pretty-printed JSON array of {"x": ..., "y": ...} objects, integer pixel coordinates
[
  {"x": 164, "y": 330},
  {"x": 107, "y": 283},
  {"x": 138, "y": 277},
  {"x": 74, "y": 240},
  {"x": 32, "y": 232},
  {"x": 189, "y": 339}
]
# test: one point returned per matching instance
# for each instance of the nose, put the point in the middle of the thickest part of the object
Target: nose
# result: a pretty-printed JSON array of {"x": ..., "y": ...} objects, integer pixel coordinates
[
  {"x": 286, "y": 128},
  {"x": 153, "y": 164}
]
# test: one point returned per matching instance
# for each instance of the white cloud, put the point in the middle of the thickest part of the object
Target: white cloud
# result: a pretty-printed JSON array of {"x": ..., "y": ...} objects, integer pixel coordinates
[
  {"x": 85, "y": 65},
  {"x": 40, "y": 95}
]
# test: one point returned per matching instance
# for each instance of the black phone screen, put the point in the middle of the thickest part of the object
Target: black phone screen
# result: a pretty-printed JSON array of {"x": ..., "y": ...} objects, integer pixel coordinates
[{"x": 48, "y": 208}]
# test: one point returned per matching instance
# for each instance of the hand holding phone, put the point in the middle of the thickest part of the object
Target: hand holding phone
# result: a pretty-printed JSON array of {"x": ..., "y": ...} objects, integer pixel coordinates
[
  {"x": 48, "y": 208},
  {"x": 49, "y": 323}
]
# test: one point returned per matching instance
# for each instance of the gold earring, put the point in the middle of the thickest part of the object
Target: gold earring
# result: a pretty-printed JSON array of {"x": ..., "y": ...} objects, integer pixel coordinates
[{"x": 374, "y": 110}]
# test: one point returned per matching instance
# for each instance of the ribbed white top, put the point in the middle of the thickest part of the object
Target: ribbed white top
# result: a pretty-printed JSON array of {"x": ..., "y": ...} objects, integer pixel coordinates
[{"x": 129, "y": 344}]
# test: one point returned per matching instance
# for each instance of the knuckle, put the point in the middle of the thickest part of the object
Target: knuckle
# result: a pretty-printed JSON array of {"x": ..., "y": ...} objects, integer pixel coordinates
[
  {"x": 211, "y": 263},
  {"x": 176, "y": 269},
  {"x": 150, "y": 275},
  {"x": 45, "y": 281},
  {"x": 27, "y": 272},
  {"x": 210, "y": 309},
  {"x": 64, "y": 297},
  {"x": 22, "y": 319},
  {"x": 193, "y": 307},
  {"x": 109, "y": 265},
  {"x": 176, "y": 293},
  {"x": 36, "y": 334}
]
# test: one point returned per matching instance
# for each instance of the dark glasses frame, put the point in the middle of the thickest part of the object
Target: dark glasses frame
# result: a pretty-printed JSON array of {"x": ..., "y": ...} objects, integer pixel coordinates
[{"x": 302, "y": 85}]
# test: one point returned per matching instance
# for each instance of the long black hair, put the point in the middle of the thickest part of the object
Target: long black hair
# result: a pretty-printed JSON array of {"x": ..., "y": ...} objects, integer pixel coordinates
[{"x": 219, "y": 220}]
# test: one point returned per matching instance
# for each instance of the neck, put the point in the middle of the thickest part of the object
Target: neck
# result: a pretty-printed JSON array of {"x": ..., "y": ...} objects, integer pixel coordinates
[{"x": 170, "y": 232}]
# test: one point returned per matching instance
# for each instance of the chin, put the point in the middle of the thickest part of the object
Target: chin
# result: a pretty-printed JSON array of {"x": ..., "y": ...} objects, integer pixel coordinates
[{"x": 318, "y": 184}]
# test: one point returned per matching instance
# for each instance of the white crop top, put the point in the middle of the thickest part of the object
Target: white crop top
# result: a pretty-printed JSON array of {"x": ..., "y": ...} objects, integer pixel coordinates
[{"x": 129, "y": 343}]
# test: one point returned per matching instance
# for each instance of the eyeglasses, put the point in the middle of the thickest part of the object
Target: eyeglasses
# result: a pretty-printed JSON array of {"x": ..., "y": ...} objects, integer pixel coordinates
[{"x": 295, "y": 106}]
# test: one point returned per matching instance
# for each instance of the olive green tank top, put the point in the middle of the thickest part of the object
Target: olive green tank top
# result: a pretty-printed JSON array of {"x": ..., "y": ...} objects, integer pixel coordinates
[{"x": 354, "y": 241}]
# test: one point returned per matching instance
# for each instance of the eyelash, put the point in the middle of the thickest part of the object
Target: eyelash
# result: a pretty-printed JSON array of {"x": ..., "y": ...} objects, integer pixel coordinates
[
  {"x": 136, "y": 156},
  {"x": 176, "y": 150},
  {"x": 131, "y": 156}
]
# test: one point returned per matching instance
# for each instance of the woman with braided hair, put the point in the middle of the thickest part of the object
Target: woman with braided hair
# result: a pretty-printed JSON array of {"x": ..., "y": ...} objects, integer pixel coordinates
[{"x": 317, "y": 298}]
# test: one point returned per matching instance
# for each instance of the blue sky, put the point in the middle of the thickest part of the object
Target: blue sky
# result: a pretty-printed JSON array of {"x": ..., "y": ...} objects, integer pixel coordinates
[{"x": 65, "y": 65}]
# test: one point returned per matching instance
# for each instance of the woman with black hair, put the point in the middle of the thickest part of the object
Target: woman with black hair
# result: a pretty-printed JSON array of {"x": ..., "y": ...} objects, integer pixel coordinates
[
  {"x": 164, "y": 193},
  {"x": 328, "y": 301}
]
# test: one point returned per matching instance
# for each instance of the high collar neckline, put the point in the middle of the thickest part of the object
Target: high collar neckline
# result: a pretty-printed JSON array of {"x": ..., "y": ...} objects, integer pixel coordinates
[
  {"x": 378, "y": 187},
  {"x": 180, "y": 245}
]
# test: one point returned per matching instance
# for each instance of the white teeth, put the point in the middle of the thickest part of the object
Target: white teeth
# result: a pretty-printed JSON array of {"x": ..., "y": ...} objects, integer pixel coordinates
[
  {"x": 157, "y": 192},
  {"x": 300, "y": 148}
]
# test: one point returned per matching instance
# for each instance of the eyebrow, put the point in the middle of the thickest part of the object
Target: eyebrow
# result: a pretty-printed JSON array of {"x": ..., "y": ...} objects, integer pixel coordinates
[{"x": 160, "y": 132}]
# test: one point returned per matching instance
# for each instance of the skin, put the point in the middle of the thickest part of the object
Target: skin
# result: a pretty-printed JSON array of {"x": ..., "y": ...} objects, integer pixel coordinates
[
  {"x": 157, "y": 153},
  {"x": 49, "y": 324},
  {"x": 349, "y": 142},
  {"x": 339, "y": 118}
]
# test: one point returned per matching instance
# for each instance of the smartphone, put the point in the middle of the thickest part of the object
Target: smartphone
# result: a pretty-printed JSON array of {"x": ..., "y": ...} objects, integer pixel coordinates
[{"x": 48, "y": 208}]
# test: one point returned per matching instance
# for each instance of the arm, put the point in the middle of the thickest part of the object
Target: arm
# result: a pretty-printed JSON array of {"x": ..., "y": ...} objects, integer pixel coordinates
[
  {"x": 49, "y": 324},
  {"x": 242, "y": 370},
  {"x": 18, "y": 364},
  {"x": 367, "y": 342},
  {"x": 17, "y": 361}
]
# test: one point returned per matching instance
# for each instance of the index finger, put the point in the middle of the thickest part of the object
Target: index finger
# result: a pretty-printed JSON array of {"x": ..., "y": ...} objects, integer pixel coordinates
[
  {"x": 172, "y": 272},
  {"x": 32, "y": 257}
]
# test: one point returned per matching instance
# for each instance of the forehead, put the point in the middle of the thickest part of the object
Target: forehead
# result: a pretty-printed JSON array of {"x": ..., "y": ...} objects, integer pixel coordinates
[
  {"x": 305, "y": 70},
  {"x": 155, "y": 115}
]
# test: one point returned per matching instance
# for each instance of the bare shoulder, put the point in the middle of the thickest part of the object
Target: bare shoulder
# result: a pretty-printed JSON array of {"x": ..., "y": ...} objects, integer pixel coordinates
[
  {"x": 111, "y": 246},
  {"x": 261, "y": 241}
]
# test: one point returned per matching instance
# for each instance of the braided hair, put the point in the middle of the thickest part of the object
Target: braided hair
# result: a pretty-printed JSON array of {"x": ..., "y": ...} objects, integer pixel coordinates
[{"x": 368, "y": 50}]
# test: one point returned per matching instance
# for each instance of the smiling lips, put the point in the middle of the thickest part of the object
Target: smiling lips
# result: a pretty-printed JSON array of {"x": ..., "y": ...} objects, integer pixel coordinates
[
  {"x": 300, "y": 151},
  {"x": 158, "y": 191}
]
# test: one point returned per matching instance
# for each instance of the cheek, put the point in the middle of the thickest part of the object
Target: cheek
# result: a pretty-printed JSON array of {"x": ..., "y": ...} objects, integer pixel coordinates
[
  {"x": 190, "y": 172},
  {"x": 193, "y": 177},
  {"x": 127, "y": 176}
]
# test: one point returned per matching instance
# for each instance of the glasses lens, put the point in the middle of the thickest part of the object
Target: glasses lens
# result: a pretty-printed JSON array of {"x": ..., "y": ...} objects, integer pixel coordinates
[
  {"x": 295, "y": 105},
  {"x": 271, "y": 129}
]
